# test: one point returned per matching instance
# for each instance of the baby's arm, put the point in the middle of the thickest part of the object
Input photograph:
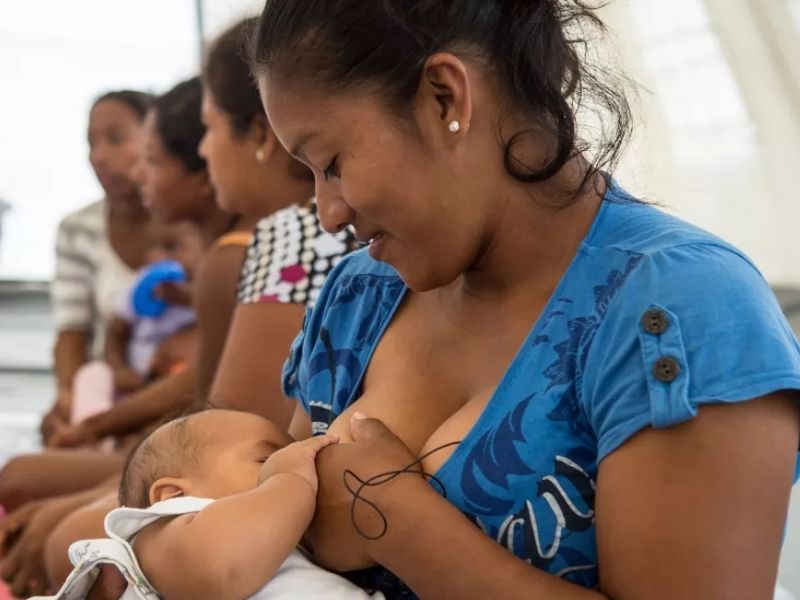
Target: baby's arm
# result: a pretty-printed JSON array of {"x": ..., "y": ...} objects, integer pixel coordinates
[{"x": 234, "y": 546}]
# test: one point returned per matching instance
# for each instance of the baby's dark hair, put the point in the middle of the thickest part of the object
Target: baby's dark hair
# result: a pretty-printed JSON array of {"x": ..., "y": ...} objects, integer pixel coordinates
[
  {"x": 167, "y": 452},
  {"x": 535, "y": 49}
]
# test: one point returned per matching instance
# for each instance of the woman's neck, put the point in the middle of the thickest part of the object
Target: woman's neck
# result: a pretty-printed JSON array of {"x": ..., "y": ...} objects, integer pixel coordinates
[
  {"x": 533, "y": 226},
  {"x": 284, "y": 189},
  {"x": 129, "y": 209},
  {"x": 214, "y": 223}
]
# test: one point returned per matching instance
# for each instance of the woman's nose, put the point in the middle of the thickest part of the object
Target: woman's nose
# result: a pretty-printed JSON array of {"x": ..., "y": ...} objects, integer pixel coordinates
[{"x": 334, "y": 213}]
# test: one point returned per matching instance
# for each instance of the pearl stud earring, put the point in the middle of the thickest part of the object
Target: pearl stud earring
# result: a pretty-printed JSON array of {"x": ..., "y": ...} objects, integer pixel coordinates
[
  {"x": 454, "y": 127},
  {"x": 260, "y": 155}
]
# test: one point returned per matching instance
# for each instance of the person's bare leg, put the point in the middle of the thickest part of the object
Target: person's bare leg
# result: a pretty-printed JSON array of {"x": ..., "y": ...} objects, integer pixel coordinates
[
  {"x": 52, "y": 473},
  {"x": 86, "y": 523}
]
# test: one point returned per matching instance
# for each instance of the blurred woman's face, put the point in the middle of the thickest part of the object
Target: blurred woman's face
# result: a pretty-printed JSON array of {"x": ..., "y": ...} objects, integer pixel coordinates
[
  {"x": 167, "y": 187},
  {"x": 231, "y": 159},
  {"x": 115, "y": 146}
]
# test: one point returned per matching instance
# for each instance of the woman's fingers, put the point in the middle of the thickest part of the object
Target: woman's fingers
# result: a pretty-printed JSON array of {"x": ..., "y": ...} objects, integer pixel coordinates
[
  {"x": 8, "y": 568},
  {"x": 30, "y": 579},
  {"x": 11, "y": 526},
  {"x": 364, "y": 428}
]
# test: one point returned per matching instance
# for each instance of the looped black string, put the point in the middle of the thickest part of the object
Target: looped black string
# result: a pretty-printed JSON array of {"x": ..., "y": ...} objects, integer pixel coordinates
[{"x": 382, "y": 478}]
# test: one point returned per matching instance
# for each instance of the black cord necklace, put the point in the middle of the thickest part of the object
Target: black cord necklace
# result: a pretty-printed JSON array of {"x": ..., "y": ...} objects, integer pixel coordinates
[{"x": 382, "y": 478}]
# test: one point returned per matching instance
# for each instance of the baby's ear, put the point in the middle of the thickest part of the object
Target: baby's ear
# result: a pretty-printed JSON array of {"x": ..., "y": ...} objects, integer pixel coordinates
[{"x": 168, "y": 487}]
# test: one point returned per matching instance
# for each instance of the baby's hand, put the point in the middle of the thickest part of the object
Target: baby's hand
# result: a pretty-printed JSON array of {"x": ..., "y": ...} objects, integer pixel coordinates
[{"x": 297, "y": 459}]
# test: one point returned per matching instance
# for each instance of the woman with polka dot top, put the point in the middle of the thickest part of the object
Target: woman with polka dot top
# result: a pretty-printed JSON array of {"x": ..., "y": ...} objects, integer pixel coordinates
[{"x": 290, "y": 255}]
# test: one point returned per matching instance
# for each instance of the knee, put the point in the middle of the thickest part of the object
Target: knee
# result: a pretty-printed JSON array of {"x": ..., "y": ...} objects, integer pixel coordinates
[
  {"x": 82, "y": 524},
  {"x": 17, "y": 482}
]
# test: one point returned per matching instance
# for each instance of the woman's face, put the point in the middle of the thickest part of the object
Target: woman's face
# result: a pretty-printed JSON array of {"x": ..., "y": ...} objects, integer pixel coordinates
[
  {"x": 401, "y": 185},
  {"x": 231, "y": 159},
  {"x": 167, "y": 187},
  {"x": 115, "y": 146}
]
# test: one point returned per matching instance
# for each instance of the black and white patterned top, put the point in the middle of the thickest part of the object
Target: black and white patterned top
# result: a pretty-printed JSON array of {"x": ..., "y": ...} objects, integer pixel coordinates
[{"x": 290, "y": 257}]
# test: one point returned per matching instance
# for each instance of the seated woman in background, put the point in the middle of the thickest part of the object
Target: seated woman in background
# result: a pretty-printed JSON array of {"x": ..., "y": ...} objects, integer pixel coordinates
[
  {"x": 284, "y": 270},
  {"x": 142, "y": 348},
  {"x": 175, "y": 186},
  {"x": 100, "y": 247}
]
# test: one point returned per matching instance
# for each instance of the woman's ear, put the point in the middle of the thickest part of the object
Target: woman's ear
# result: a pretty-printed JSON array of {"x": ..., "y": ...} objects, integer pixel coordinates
[
  {"x": 260, "y": 134},
  {"x": 445, "y": 96},
  {"x": 168, "y": 487}
]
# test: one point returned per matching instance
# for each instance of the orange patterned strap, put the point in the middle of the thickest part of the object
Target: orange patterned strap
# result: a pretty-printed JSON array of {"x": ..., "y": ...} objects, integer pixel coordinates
[{"x": 234, "y": 238}]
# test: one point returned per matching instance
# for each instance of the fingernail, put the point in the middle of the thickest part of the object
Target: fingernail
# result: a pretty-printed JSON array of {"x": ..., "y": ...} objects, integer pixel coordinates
[{"x": 359, "y": 416}]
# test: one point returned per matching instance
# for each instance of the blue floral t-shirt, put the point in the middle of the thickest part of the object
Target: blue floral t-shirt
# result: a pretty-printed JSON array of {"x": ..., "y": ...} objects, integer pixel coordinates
[{"x": 653, "y": 318}]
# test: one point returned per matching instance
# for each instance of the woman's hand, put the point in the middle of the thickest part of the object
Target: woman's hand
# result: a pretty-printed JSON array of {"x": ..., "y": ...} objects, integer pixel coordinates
[
  {"x": 73, "y": 436},
  {"x": 23, "y": 534},
  {"x": 340, "y": 534},
  {"x": 175, "y": 293},
  {"x": 57, "y": 416}
]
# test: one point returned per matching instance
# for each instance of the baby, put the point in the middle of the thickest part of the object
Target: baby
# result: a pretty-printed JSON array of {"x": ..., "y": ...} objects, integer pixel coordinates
[
  {"x": 215, "y": 505},
  {"x": 138, "y": 348}
]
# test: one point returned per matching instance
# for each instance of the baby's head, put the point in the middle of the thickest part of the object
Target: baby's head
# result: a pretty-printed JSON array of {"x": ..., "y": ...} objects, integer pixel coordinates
[
  {"x": 210, "y": 454},
  {"x": 174, "y": 241}
]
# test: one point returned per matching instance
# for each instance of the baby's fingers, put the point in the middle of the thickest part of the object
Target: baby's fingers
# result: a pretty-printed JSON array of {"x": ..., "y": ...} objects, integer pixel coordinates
[{"x": 315, "y": 444}]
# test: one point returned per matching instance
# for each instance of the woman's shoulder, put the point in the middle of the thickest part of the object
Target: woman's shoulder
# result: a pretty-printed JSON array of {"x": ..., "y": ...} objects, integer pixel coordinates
[
  {"x": 89, "y": 220},
  {"x": 626, "y": 224}
]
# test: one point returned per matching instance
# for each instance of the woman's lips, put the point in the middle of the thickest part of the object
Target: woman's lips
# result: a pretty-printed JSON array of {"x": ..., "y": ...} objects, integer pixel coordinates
[{"x": 376, "y": 245}]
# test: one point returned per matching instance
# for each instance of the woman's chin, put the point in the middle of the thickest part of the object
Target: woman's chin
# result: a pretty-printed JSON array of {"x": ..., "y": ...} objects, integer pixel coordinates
[{"x": 421, "y": 280}]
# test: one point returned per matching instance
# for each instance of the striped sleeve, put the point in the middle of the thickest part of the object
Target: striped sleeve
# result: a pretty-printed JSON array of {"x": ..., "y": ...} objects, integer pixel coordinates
[{"x": 77, "y": 249}]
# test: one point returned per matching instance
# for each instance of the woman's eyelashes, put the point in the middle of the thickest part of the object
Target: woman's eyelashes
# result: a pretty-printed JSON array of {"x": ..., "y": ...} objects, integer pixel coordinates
[{"x": 332, "y": 170}]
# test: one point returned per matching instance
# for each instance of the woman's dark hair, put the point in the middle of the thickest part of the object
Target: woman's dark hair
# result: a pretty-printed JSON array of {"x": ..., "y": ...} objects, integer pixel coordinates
[
  {"x": 178, "y": 122},
  {"x": 138, "y": 102},
  {"x": 226, "y": 73},
  {"x": 536, "y": 49}
]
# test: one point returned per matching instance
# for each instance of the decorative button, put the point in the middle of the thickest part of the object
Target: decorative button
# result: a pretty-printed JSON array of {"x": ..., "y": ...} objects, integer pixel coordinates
[
  {"x": 655, "y": 321},
  {"x": 666, "y": 369}
]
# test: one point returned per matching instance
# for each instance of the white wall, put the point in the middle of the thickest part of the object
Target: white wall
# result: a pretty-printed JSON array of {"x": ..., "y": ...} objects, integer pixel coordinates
[
  {"x": 718, "y": 141},
  {"x": 220, "y": 14},
  {"x": 55, "y": 57}
]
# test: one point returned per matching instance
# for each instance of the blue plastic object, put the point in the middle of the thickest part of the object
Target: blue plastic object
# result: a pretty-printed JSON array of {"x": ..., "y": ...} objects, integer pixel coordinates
[{"x": 145, "y": 303}]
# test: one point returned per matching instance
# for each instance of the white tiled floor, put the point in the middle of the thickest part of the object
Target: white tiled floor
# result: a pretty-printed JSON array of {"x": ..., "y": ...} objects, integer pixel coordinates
[{"x": 25, "y": 342}]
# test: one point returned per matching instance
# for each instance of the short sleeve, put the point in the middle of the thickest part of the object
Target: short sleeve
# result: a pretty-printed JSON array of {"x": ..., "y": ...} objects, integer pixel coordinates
[
  {"x": 692, "y": 325},
  {"x": 73, "y": 286},
  {"x": 290, "y": 258},
  {"x": 123, "y": 308}
]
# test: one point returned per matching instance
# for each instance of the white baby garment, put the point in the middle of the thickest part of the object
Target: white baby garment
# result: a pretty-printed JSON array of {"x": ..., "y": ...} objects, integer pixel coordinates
[{"x": 297, "y": 579}]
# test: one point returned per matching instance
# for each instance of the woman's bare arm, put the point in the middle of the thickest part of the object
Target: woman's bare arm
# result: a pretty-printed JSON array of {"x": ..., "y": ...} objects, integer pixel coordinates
[
  {"x": 167, "y": 395},
  {"x": 69, "y": 355},
  {"x": 215, "y": 299},
  {"x": 249, "y": 374}
]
